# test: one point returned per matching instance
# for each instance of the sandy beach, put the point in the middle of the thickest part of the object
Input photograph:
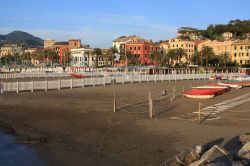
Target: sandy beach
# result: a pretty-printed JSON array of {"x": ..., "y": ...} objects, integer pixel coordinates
[{"x": 79, "y": 126}]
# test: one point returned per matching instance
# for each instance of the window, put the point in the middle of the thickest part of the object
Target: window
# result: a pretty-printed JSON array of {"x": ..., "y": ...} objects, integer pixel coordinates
[
  {"x": 234, "y": 61},
  {"x": 240, "y": 61},
  {"x": 139, "y": 48},
  {"x": 235, "y": 47},
  {"x": 247, "y": 54},
  {"x": 241, "y": 47},
  {"x": 145, "y": 48},
  {"x": 176, "y": 45},
  {"x": 130, "y": 48},
  {"x": 134, "y": 47},
  {"x": 235, "y": 54},
  {"x": 173, "y": 45}
]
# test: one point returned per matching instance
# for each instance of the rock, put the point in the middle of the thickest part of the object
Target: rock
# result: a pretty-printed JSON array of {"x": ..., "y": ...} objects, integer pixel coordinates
[
  {"x": 244, "y": 152},
  {"x": 215, "y": 154},
  {"x": 189, "y": 156},
  {"x": 244, "y": 138}
]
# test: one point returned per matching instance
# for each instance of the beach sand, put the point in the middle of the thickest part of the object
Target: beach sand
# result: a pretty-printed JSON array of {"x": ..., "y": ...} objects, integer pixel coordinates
[{"x": 79, "y": 127}]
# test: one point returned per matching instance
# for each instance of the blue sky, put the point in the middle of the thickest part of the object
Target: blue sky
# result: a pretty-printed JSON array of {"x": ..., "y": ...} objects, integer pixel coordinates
[{"x": 98, "y": 22}]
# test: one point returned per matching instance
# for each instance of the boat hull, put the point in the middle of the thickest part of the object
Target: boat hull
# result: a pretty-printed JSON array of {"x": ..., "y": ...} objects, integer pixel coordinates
[{"x": 200, "y": 96}]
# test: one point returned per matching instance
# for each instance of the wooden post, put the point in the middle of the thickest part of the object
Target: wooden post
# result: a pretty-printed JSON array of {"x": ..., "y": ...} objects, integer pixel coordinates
[
  {"x": 59, "y": 84},
  {"x": 1, "y": 86},
  {"x": 114, "y": 97},
  {"x": 17, "y": 87},
  {"x": 32, "y": 86},
  {"x": 162, "y": 78},
  {"x": 104, "y": 81},
  {"x": 71, "y": 83},
  {"x": 173, "y": 93},
  {"x": 183, "y": 89},
  {"x": 150, "y": 106},
  {"x": 46, "y": 85},
  {"x": 169, "y": 77},
  {"x": 93, "y": 81},
  {"x": 155, "y": 77},
  {"x": 140, "y": 77},
  {"x": 83, "y": 82},
  {"x": 199, "y": 114}
]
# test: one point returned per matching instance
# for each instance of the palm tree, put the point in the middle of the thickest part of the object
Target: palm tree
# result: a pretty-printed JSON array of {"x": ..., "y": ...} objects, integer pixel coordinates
[
  {"x": 53, "y": 56},
  {"x": 88, "y": 52},
  {"x": 97, "y": 52},
  {"x": 224, "y": 59},
  {"x": 171, "y": 55},
  {"x": 111, "y": 54},
  {"x": 155, "y": 56},
  {"x": 25, "y": 57},
  {"x": 180, "y": 52},
  {"x": 207, "y": 53},
  {"x": 128, "y": 57}
]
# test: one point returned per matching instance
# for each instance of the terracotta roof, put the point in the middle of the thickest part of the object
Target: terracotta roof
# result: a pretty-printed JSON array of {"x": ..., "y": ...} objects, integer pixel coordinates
[
  {"x": 241, "y": 42},
  {"x": 122, "y": 39}
]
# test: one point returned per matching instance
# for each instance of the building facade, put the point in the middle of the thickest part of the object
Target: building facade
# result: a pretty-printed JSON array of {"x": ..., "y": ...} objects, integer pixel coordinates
[
  {"x": 227, "y": 35},
  {"x": 81, "y": 57},
  {"x": 219, "y": 47},
  {"x": 240, "y": 52},
  {"x": 48, "y": 43},
  {"x": 141, "y": 49},
  {"x": 11, "y": 49},
  {"x": 187, "y": 45}
]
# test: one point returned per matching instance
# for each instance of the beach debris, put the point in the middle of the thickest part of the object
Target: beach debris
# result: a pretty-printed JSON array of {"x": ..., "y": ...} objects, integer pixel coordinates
[
  {"x": 164, "y": 92},
  {"x": 244, "y": 138},
  {"x": 244, "y": 152},
  {"x": 206, "y": 155}
]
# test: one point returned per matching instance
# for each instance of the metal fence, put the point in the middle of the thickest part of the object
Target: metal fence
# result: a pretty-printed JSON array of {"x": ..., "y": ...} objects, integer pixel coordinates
[{"x": 19, "y": 86}]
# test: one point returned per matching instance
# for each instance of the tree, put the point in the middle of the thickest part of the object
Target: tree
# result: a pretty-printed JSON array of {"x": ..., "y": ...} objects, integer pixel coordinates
[
  {"x": 52, "y": 56},
  {"x": 206, "y": 53},
  {"x": 195, "y": 59},
  {"x": 224, "y": 59},
  {"x": 97, "y": 52},
  {"x": 88, "y": 53},
  {"x": 155, "y": 56},
  {"x": 180, "y": 52},
  {"x": 26, "y": 57},
  {"x": 111, "y": 54},
  {"x": 171, "y": 55}
]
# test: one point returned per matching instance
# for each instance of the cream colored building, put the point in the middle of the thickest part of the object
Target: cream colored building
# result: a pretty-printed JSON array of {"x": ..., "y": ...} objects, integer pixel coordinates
[
  {"x": 187, "y": 45},
  {"x": 49, "y": 43},
  {"x": 240, "y": 52},
  {"x": 6, "y": 50},
  {"x": 11, "y": 49},
  {"x": 227, "y": 35},
  {"x": 219, "y": 48}
]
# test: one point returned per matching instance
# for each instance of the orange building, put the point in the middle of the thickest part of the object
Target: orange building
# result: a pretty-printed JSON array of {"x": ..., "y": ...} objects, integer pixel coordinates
[{"x": 141, "y": 49}]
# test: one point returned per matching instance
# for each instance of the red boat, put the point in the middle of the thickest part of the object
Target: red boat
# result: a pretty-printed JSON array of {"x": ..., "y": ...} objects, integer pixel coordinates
[
  {"x": 77, "y": 75},
  {"x": 215, "y": 77},
  {"x": 204, "y": 93}
]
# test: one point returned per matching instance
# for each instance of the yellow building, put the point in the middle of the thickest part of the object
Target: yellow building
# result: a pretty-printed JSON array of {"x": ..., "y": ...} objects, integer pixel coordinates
[
  {"x": 219, "y": 48},
  {"x": 240, "y": 52},
  {"x": 187, "y": 45},
  {"x": 6, "y": 50}
]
